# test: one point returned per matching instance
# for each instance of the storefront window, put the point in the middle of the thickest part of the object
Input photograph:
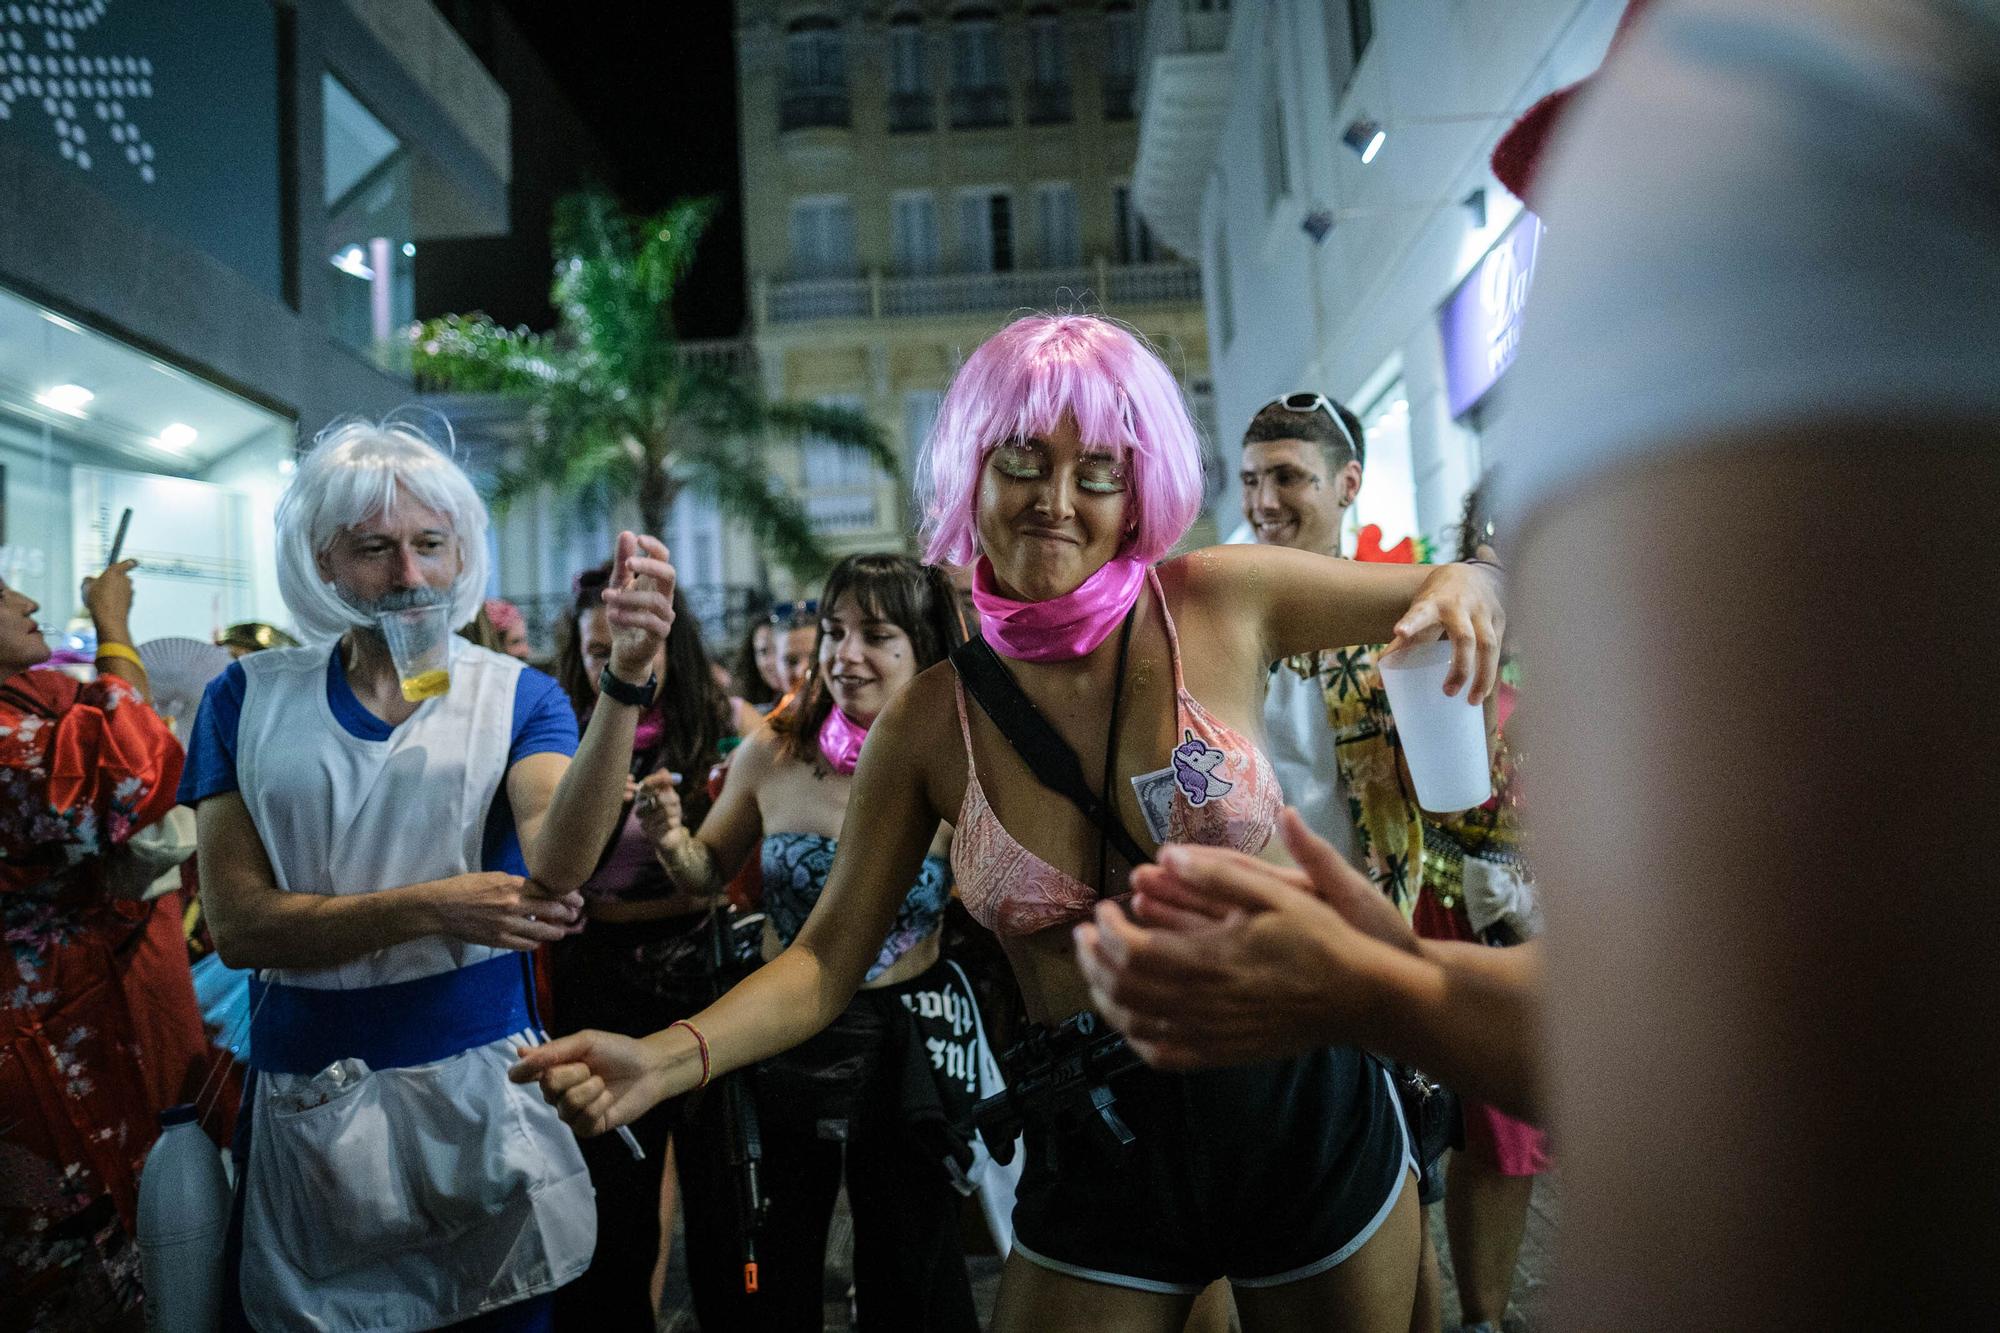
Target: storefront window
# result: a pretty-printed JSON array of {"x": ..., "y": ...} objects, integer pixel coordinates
[
  {"x": 370, "y": 253},
  {"x": 1389, "y": 492},
  {"x": 90, "y": 427}
]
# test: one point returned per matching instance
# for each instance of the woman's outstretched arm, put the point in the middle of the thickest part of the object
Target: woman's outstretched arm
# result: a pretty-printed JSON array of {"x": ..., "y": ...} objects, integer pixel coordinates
[{"x": 600, "y": 1080}]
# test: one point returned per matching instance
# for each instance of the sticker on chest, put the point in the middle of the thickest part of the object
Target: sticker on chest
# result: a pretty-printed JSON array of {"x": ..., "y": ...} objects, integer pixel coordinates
[{"x": 1196, "y": 771}]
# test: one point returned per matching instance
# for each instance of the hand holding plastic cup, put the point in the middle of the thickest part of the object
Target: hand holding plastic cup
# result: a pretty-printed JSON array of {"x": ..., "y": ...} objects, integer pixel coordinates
[
  {"x": 419, "y": 642},
  {"x": 1444, "y": 737}
]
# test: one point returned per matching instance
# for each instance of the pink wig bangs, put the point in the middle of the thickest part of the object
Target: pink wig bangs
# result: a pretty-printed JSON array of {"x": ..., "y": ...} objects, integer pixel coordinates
[{"x": 1024, "y": 381}]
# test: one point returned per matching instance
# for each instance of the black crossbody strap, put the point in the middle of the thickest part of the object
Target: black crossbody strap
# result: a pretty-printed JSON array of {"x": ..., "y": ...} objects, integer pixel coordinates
[{"x": 1047, "y": 755}]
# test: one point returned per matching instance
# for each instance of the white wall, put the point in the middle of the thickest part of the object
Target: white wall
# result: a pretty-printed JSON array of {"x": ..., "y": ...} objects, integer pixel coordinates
[{"x": 1445, "y": 78}]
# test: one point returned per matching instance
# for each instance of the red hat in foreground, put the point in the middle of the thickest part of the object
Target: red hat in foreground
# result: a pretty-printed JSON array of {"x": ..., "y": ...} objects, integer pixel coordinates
[{"x": 1517, "y": 158}]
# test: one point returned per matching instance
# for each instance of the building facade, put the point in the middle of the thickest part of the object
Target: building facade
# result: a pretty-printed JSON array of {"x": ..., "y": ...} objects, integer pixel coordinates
[
  {"x": 1326, "y": 160},
  {"x": 914, "y": 174},
  {"x": 210, "y": 217}
]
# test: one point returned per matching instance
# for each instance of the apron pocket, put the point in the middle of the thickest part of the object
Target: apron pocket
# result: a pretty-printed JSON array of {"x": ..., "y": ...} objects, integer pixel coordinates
[
  {"x": 460, "y": 1152},
  {"x": 346, "y": 1201}
]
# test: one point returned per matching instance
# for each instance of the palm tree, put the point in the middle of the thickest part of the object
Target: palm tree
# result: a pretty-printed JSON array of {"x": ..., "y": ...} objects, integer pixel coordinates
[{"x": 616, "y": 408}]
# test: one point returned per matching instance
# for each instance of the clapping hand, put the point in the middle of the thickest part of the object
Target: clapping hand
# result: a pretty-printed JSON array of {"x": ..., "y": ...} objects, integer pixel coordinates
[{"x": 1226, "y": 959}]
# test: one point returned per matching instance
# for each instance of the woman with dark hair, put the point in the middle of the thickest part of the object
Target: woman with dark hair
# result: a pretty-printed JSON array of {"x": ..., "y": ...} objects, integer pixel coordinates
[
  {"x": 641, "y": 953},
  {"x": 883, "y": 618},
  {"x": 756, "y": 669}
]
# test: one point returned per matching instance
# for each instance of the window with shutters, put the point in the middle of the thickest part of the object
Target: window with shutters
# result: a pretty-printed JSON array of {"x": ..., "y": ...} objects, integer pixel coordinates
[
  {"x": 985, "y": 232},
  {"x": 841, "y": 484},
  {"x": 1048, "y": 70},
  {"x": 1058, "y": 243},
  {"x": 815, "y": 91},
  {"x": 1121, "y": 63},
  {"x": 913, "y": 223},
  {"x": 920, "y": 414},
  {"x": 1132, "y": 239},
  {"x": 823, "y": 238},
  {"x": 909, "y": 76},
  {"x": 978, "y": 77}
]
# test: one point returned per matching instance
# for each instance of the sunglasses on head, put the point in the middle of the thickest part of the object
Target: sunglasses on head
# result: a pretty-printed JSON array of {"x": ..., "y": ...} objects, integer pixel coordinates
[
  {"x": 794, "y": 615},
  {"x": 1315, "y": 402}
]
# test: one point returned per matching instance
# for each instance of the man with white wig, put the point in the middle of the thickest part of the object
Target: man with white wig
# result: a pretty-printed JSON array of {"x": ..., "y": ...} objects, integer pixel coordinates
[{"x": 386, "y": 865}]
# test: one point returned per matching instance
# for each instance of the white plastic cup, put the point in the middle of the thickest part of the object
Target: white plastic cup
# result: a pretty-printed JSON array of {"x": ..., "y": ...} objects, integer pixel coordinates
[
  {"x": 419, "y": 642},
  {"x": 1444, "y": 737}
]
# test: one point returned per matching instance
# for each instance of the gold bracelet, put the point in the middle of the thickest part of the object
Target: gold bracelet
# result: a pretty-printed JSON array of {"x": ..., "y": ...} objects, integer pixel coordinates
[{"x": 124, "y": 651}]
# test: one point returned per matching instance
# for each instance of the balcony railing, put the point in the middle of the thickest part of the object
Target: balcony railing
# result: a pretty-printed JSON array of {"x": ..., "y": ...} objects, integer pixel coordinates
[
  {"x": 1048, "y": 104},
  {"x": 1115, "y": 286},
  {"x": 910, "y": 112},
  {"x": 728, "y": 356},
  {"x": 1154, "y": 284},
  {"x": 980, "y": 108},
  {"x": 813, "y": 108},
  {"x": 1117, "y": 98},
  {"x": 960, "y": 293},
  {"x": 818, "y": 298}
]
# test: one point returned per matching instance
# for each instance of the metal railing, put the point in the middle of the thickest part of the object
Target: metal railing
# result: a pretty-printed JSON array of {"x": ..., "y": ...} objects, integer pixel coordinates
[
  {"x": 730, "y": 356},
  {"x": 819, "y": 298},
  {"x": 795, "y": 301},
  {"x": 981, "y": 108},
  {"x": 1049, "y": 104},
  {"x": 962, "y": 293},
  {"x": 910, "y": 112},
  {"x": 1154, "y": 284},
  {"x": 813, "y": 108}
]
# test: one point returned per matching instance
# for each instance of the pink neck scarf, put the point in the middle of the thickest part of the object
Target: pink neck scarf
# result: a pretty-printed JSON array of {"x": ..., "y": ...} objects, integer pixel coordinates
[
  {"x": 1061, "y": 629},
  {"x": 840, "y": 738}
]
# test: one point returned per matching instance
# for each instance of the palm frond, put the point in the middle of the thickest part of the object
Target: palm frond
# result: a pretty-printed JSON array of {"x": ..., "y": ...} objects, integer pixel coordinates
[
  {"x": 844, "y": 426},
  {"x": 667, "y": 244},
  {"x": 472, "y": 354},
  {"x": 776, "y": 518},
  {"x": 722, "y": 405}
]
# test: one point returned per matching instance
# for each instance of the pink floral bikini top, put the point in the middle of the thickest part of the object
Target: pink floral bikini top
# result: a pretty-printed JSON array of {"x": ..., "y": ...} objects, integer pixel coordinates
[{"x": 1218, "y": 790}]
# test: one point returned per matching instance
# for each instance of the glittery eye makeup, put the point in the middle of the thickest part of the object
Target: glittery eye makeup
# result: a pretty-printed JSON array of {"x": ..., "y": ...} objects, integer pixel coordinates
[{"x": 1098, "y": 473}]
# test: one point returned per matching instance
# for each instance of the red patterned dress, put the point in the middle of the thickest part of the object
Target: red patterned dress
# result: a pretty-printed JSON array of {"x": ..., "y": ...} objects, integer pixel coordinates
[{"x": 98, "y": 1024}]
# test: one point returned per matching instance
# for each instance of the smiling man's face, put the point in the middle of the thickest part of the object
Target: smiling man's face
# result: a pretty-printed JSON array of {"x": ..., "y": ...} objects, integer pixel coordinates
[{"x": 1289, "y": 497}]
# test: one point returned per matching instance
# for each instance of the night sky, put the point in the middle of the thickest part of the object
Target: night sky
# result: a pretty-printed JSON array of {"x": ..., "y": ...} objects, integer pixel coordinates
[{"x": 656, "y": 85}]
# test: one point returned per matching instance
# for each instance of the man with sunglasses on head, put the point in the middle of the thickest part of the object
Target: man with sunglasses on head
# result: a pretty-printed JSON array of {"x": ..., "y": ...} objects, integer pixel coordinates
[
  {"x": 1327, "y": 727},
  {"x": 1325, "y": 715}
]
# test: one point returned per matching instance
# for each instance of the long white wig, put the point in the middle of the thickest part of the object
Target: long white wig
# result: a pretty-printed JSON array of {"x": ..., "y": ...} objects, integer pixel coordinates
[{"x": 350, "y": 475}]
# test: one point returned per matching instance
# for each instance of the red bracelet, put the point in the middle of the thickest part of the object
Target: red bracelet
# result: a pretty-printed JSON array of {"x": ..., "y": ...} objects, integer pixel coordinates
[{"x": 701, "y": 1043}]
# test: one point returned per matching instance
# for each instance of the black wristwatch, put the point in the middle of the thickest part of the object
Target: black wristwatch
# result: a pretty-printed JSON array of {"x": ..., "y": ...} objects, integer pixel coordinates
[{"x": 618, "y": 691}]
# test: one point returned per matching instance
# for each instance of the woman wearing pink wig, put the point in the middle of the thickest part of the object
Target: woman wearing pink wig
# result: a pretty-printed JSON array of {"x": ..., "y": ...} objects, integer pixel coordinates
[{"x": 1065, "y": 465}]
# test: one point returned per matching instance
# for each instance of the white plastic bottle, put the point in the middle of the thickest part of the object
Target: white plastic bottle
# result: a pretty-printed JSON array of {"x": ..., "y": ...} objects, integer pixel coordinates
[{"x": 183, "y": 1218}]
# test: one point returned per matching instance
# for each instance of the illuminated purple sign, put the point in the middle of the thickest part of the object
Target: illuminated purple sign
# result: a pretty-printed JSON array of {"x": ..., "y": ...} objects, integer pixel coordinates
[{"x": 1481, "y": 323}]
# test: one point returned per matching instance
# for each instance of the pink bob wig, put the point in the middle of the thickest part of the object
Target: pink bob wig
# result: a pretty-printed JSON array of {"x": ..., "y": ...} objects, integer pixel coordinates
[{"x": 1024, "y": 381}]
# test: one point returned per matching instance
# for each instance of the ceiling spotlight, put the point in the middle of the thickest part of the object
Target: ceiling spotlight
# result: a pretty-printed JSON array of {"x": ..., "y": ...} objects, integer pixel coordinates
[
  {"x": 179, "y": 435},
  {"x": 1365, "y": 137},
  {"x": 1317, "y": 224},
  {"x": 409, "y": 249},
  {"x": 353, "y": 263},
  {"x": 70, "y": 398}
]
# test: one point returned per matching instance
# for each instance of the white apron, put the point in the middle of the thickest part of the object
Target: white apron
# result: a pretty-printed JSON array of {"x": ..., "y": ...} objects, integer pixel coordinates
[{"x": 413, "y": 1196}]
